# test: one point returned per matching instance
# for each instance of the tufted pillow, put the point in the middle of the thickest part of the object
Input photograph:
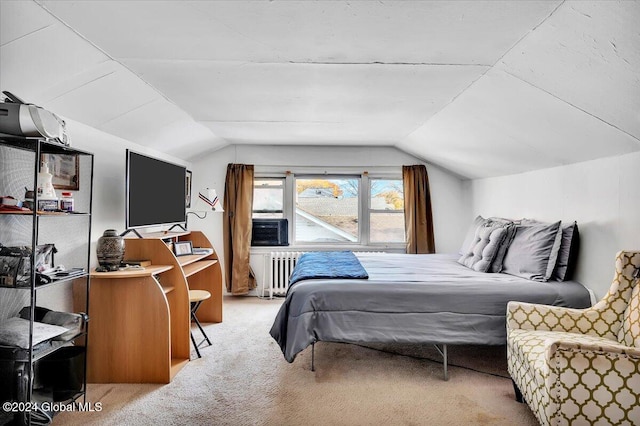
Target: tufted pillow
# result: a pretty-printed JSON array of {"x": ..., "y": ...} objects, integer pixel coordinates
[
  {"x": 530, "y": 252},
  {"x": 471, "y": 233},
  {"x": 483, "y": 248}
]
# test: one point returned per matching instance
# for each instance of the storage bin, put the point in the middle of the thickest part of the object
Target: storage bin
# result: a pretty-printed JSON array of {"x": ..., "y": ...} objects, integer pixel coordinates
[{"x": 63, "y": 372}]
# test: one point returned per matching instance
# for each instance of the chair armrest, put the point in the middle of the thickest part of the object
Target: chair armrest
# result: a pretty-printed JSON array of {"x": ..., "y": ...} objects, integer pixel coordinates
[
  {"x": 531, "y": 316},
  {"x": 592, "y": 382}
]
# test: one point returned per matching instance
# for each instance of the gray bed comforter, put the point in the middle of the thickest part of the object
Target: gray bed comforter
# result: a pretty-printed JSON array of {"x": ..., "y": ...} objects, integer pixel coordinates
[{"x": 411, "y": 298}]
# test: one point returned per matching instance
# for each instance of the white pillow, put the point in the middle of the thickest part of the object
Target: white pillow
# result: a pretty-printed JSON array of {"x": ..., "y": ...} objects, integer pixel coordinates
[{"x": 15, "y": 332}]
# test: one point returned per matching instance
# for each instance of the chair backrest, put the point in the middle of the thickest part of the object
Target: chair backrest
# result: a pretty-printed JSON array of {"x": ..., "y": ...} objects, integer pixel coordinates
[
  {"x": 607, "y": 317},
  {"x": 629, "y": 333}
]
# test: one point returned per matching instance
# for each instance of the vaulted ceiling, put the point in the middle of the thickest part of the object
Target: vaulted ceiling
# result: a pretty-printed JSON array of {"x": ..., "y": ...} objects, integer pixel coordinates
[{"x": 483, "y": 88}]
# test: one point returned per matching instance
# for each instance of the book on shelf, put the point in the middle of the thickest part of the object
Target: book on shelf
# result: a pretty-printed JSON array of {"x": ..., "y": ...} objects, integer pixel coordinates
[
  {"x": 202, "y": 250},
  {"x": 144, "y": 263}
]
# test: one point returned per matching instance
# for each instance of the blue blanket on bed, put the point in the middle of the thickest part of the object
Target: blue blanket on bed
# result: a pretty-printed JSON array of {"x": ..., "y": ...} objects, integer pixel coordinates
[{"x": 327, "y": 264}]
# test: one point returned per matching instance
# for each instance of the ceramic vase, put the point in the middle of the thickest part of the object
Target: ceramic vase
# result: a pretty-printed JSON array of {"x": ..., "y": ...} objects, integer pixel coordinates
[{"x": 110, "y": 250}]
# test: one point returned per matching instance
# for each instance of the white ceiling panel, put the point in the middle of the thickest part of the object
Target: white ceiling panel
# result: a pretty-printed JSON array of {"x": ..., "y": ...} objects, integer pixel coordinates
[
  {"x": 51, "y": 56},
  {"x": 588, "y": 54},
  {"x": 146, "y": 119},
  {"x": 21, "y": 18},
  {"x": 288, "y": 133},
  {"x": 502, "y": 125},
  {"x": 115, "y": 93},
  {"x": 460, "y": 32},
  {"x": 183, "y": 139},
  {"x": 403, "y": 97},
  {"x": 483, "y": 88}
]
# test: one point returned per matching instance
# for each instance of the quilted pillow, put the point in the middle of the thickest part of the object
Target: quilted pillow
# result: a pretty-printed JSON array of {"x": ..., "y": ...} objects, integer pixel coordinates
[
  {"x": 471, "y": 233},
  {"x": 483, "y": 249},
  {"x": 530, "y": 252}
]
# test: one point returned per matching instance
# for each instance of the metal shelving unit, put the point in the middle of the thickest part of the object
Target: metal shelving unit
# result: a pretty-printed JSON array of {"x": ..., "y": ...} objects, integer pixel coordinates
[{"x": 24, "y": 371}]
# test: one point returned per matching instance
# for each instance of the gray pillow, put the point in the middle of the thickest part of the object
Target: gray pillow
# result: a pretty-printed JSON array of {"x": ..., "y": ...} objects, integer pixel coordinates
[
  {"x": 568, "y": 254},
  {"x": 555, "y": 251},
  {"x": 530, "y": 251},
  {"x": 484, "y": 248},
  {"x": 471, "y": 233}
]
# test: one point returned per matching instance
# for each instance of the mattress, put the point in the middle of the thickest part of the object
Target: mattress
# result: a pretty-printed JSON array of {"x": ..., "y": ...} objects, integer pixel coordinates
[{"x": 411, "y": 298}]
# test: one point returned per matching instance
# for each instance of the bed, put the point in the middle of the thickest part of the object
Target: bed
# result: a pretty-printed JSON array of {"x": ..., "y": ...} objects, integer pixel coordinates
[{"x": 411, "y": 298}]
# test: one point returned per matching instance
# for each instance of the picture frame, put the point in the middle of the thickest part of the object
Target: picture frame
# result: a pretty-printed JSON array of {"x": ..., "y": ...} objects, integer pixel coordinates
[
  {"x": 188, "y": 188},
  {"x": 182, "y": 248},
  {"x": 65, "y": 170}
]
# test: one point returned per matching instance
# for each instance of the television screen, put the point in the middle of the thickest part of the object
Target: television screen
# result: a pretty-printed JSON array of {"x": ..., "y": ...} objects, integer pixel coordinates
[{"x": 156, "y": 191}]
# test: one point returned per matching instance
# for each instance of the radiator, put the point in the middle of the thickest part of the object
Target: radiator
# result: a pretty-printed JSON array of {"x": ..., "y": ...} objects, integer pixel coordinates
[
  {"x": 282, "y": 264},
  {"x": 279, "y": 267}
]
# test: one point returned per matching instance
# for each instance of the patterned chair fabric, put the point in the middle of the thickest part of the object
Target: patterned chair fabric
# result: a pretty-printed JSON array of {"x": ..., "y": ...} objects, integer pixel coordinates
[{"x": 581, "y": 366}]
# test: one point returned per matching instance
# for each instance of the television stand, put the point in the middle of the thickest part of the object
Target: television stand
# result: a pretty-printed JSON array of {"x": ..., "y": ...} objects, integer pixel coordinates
[
  {"x": 179, "y": 225},
  {"x": 131, "y": 230}
]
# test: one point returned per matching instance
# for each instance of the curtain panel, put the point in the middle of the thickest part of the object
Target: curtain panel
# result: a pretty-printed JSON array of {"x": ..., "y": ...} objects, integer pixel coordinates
[
  {"x": 418, "y": 217},
  {"x": 237, "y": 222}
]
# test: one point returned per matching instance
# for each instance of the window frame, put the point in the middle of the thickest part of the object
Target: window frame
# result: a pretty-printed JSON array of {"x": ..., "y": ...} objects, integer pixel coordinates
[{"x": 364, "y": 205}]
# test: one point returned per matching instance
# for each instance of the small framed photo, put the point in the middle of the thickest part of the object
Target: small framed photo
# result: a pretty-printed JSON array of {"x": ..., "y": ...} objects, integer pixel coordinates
[
  {"x": 64, "y": 168},
  {"x": 182, "y": 248},
  {"x": 188, "y": 189}
]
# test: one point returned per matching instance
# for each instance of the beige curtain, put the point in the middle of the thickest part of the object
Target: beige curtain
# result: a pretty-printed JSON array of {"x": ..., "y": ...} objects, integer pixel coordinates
[
  {"x": 238, "y": 206},
  {"x": 418, "y": 221}
]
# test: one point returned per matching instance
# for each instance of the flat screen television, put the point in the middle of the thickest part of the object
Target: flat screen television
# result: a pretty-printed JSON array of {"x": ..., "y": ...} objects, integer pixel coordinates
[{"x": 156, "y": 192}]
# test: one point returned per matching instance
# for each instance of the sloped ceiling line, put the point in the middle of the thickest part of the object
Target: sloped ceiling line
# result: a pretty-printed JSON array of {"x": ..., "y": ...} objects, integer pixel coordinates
[
  {"x": 26, "y": 35},
  {"x": 129, "y": 111},
  {"x": 82, "y": 85},
  {"x": 571, "y": 105}
]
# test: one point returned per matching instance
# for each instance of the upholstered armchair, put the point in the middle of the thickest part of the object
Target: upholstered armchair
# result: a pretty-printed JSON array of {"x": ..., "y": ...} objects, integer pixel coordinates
[{"x": 580, "y": 366}]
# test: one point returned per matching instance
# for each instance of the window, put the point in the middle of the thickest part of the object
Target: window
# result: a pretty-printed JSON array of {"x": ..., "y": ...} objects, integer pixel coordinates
[
  {"x": 334, "y": 209},
  {"x": 386, "y": 211},
  {"x": 268, "y": 198},
  {"x": 326, "y": 210}
]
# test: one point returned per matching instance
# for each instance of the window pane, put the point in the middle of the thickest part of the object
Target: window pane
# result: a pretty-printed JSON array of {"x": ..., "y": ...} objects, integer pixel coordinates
[
  {"x": 268, "y": 215},
  {"x": 268, "y": 196},
  {"x": 327, "y": 210},
  {"x": 387, "y": 228},
  {"x": 387, "y": 194}
]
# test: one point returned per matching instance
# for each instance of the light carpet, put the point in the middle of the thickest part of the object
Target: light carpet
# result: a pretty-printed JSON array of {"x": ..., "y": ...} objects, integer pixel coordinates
[{"x": 243, "y": 379}]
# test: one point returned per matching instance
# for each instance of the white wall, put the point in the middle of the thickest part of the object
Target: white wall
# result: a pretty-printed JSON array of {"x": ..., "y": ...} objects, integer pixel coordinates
[
  {"x": 450, "y": 205},
  {"x": 600, "y": 194}
]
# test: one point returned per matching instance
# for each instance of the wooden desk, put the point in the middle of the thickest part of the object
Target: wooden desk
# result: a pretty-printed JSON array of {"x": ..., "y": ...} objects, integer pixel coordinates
[{"x": 140, "y": 319}]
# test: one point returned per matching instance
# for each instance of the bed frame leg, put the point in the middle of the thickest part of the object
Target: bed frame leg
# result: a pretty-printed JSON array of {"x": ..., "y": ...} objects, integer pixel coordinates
[
  {"x": 313, "y": 353},
  {"x": 443, "y": 352}
]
